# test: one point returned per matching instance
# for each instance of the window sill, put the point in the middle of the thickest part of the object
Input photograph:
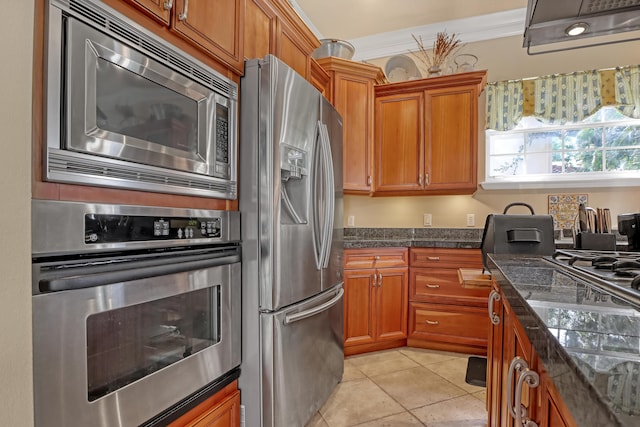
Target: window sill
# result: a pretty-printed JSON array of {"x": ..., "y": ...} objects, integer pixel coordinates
[{"x": 557, "y": 182}]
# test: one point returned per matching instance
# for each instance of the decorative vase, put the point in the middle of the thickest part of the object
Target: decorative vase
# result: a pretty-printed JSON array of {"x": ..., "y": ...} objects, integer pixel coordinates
[{"x": 435, "y": 71}]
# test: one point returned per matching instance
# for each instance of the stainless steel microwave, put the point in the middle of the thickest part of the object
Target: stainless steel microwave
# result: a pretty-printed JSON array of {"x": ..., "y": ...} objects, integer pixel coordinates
[{"x": 126, "y": 109}]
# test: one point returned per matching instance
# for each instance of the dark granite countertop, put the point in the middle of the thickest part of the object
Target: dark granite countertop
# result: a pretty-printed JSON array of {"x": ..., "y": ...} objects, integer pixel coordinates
[
  {"x": 356, "y": 238},
  {"x": 412, "y": 237},
  {"x": 588, "y": 341}
]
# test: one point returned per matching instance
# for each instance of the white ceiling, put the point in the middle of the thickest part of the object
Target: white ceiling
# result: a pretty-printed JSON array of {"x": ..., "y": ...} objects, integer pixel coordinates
[{"x": 380, "y": 28}]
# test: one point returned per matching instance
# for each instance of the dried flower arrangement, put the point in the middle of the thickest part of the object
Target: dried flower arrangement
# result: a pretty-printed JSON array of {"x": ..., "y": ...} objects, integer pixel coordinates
[{"x": 443, "y": 47}]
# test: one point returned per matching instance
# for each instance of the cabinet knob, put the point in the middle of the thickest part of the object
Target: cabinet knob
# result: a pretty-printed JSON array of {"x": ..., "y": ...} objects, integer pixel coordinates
[
  {"x": 431, "y": 322},
  {"x": 377, "y": 257}
]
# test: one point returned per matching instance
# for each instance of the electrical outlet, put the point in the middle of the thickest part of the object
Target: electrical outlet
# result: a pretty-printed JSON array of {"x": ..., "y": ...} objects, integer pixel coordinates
[
  {"x": 426, "y": 220},
  {"x": 471, "y": 220},
  {"x": 351, "y": 221}
]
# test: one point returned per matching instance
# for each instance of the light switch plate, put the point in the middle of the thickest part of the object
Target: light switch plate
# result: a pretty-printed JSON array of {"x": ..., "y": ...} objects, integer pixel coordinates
[
  {"x": 426, "y": 220},
  {"x": 351, "y": 221}
]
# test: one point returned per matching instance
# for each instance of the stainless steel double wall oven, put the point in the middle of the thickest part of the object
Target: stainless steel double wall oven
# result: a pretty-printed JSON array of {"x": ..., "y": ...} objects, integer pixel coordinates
[{"x": 135, "y": 309}]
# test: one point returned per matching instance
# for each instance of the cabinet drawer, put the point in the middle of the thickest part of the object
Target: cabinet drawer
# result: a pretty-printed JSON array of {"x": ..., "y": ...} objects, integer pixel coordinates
[
  {"x": 442, "y": 285},
  {"x": 446, "y": 258},
  {"x": 375, "y": 258},
  {"x": 449, "y": 323}
]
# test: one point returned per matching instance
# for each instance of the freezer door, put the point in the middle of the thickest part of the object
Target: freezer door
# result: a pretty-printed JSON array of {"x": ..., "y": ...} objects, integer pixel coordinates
[
  {"x": 302, "y": 358},
  {"x": 333, "y": 264}
]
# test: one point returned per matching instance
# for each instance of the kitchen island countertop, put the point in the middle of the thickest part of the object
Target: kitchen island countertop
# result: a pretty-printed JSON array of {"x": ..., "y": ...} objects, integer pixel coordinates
[{"x": 587, "y": 341}]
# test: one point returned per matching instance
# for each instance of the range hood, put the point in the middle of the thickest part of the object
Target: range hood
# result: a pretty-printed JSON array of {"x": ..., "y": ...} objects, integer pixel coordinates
[{"x": 548, "y": 21}]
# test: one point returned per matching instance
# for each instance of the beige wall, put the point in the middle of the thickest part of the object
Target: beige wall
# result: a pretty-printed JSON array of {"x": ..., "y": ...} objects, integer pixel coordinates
[
  {"x": 503, "y": 59},
  {"x": 16, "y": 35}
]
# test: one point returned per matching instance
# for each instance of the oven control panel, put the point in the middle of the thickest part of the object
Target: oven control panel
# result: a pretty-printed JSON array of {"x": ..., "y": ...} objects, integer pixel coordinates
[{"x": 100, "y": 228}]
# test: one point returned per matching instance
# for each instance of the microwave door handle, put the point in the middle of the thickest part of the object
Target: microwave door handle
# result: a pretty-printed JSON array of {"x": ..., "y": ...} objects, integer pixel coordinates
[{"x": 329, "y": 195}]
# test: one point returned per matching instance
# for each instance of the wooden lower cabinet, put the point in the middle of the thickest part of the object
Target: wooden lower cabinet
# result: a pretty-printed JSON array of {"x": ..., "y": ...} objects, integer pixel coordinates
[
  {"x": 375, "y": 300},
  {"x": 447, "y": 327},
  {"x": 220, "y": 410},
  {"x": 510, "y": 355},
  {"x": 443, "y": 314}
]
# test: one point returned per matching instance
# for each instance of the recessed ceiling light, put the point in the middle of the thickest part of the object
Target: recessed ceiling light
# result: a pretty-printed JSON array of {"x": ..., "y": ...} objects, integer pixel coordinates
[{"x": 576, "y": 29}]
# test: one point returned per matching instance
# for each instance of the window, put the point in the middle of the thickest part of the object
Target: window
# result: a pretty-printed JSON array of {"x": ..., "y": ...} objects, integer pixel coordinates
[
  {"x": 561, "y": 136},
  {"x": 604, "y": 143}
]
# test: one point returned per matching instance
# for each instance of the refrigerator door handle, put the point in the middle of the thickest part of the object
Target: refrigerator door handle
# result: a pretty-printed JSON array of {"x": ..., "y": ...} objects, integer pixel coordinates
[
  {"x": 317, "y": 233},
  {"x": 315, "y": 310},
  {"x": 329, "y": 196}
]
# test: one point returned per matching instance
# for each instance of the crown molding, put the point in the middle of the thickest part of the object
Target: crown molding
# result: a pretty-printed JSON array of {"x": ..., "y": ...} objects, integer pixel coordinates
[
  {"x": 469, "y": 30},
  {"x": 477, "y": 28}
]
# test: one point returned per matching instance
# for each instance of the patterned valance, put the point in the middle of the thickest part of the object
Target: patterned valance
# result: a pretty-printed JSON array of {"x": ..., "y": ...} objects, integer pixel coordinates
[{"x": 563, "y": 98}]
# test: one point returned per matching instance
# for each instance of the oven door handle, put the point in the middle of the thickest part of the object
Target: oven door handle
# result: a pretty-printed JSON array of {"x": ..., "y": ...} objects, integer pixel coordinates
[{"x": 91, "y": 280}]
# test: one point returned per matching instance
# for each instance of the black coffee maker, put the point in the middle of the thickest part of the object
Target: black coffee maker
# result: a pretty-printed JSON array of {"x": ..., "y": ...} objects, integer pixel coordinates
[{"x": 629, "y": 225}]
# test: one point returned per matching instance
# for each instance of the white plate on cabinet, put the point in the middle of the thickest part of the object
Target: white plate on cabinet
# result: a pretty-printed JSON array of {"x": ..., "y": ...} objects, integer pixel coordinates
[{"x": 400, "y": 68}]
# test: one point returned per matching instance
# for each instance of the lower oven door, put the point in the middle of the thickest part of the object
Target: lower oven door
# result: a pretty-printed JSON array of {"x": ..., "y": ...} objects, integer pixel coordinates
[{"x": 120, "y": 353}]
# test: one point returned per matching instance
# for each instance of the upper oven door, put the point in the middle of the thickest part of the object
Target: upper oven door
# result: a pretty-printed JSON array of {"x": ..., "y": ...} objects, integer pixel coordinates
[
  {"x": 121, "y": 353},
  {"x": 124, "y": 105}
]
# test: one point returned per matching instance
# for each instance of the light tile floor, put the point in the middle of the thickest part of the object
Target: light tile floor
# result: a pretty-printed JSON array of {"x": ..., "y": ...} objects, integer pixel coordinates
[{"x": 402, "y": 388}]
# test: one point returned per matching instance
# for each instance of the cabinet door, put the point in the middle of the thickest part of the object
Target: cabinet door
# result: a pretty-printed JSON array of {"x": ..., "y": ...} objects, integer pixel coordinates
[
  {"x": 554, "y": 412},
  {"x": 292, "y": 49},
  {"x": 358, "y": 307},
  {"x": 160, "y": 10},
  {"x": 259, "y": 29},
  {"x": 226, "y": 414},
  {"x": 391, "y": 304},
  {"x": 452, "y": 138},
  {"x": 515, "y": 344},
  {"x": 353, "y": 100},
  {"x": 494, "y": 364},
  {"x": 213, "y": 25},
  {"x": 399, "y": 158}
]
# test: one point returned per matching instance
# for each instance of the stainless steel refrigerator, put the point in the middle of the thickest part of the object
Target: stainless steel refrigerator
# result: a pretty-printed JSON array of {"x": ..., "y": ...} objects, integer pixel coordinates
[{"x": 292, "y": 264}]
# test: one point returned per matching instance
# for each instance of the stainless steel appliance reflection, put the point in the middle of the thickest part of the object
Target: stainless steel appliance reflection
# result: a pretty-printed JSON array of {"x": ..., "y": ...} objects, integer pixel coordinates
[
  {"x": 291, "y": 204},
  {"x": 134, "y": 309}
]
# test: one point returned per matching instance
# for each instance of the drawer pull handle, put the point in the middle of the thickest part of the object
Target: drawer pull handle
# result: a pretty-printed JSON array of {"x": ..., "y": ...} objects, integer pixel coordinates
[
  {"x": 430, "y": 286},
  {"x": 431, "y": 322},
  {"x": 433, "y": 258}
]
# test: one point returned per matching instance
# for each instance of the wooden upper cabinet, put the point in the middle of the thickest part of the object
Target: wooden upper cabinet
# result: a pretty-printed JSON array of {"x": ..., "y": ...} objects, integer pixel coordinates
[
  {"x": 427, "y": 135},
  {"x": 214, "y": 26},
  {"x": 320, "y": 79},
  {"x": 352, "y": 94},
  {"x": 293, "y": 50},
  {"x": 259, "y": 29},
  {"x": 399, "y": 145},
  {"x": 273, "y": 27},
  {"x": 157, "y": 9},
  {"x": 452, "y": 122}
]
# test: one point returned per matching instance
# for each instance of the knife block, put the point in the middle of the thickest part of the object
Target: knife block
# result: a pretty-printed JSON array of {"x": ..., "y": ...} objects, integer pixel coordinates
[{"x": 595, "y": 241}]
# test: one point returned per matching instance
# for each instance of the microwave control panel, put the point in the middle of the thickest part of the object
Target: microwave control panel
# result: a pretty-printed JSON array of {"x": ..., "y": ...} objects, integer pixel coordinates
[{"x": 100, "y": 228}]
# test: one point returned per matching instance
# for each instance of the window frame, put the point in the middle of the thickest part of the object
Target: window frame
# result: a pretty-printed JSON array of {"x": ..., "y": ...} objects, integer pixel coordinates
[{"x": 563, "y": 179}]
